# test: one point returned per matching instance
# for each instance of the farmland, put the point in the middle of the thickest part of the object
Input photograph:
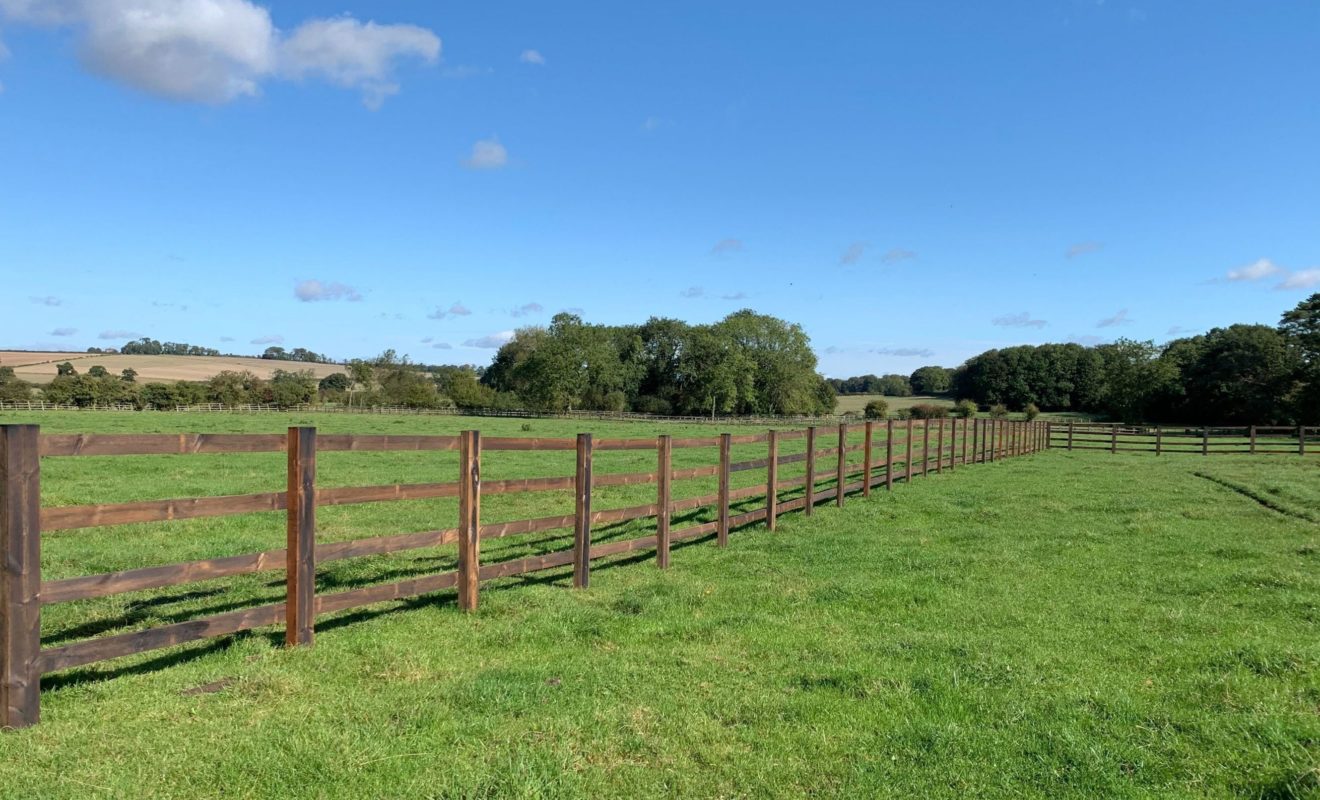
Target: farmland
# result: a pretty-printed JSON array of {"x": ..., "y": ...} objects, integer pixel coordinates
[
  {"x": 39, "y": 368},
  {"x": 1064, "y": 624},
  {"x": 856, "y": 403}
]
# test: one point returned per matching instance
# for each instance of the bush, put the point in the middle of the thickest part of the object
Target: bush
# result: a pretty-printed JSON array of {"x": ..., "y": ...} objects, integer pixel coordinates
[
  {"x": 650, "y": 404},
  {"x": 876, "y": 409},
  {"x": 928, "y": 411},
  {"x": 1031, "y": 411},
  {"x": 965, "y": 409},
  {"x": 998, "y": 411}
]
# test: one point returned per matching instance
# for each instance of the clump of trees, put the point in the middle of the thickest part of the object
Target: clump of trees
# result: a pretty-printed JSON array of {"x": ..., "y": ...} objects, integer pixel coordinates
[
  {"x": 747, "y": 363},
  {"x": 1239, "y": 374},
  {"x": 876, "y": 409},
  {"x": 889, "y": 385},
  {"x": 151, "y": 347},
  {"x": 12, "y": 388}
]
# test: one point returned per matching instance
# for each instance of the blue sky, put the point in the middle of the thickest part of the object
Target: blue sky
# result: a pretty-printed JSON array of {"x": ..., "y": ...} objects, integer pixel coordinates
[{"x": 913, "y": 182}]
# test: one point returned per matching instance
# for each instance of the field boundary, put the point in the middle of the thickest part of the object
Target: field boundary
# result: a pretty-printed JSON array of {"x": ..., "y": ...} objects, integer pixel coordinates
[
  {"x": 903, "y": 451},
  {"x": 1205, "y": 440}
]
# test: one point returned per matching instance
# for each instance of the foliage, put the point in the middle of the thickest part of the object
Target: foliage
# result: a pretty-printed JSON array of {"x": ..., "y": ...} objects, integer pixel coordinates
[
  {"x": 151, "y": 347},
  {"x": 928, "y": 411},
  {"x": 876, "y": 409},
  {"x": 965, "y": 409},
  {"x": 12, "y": 389},
  {"x": 1030, "y": 411},
  {"x": 998, "y": 411},
  {"x": 888, "y": 385},
  {"x": 289, "y": 389},
  {"x": 335, "y": 382}
]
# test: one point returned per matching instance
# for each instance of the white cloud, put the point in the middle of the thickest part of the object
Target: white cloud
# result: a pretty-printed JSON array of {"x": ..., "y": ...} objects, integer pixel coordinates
[
  {"x": 532, "y": 57},
  {"x": 724, "y": 246},
  {"x": 1083, "y": 248},
  {"x": 491, "y": 342},
  {"x": 525, "y": 309},
  {"x": 226, "y": 338},
  {"x": 921, "y": 352},
  {"x": 119, "y": 334},
  {"x": 214, "y": 51},
  {"x": 272, "y": 339},
  {"x": 1022, "y": 320},
  {"x": 896, "y": 255},
  {"x": 853, "y": 254},
  {"x": 1301, "y": 279},
  {"x": 64, "y": 332},
  {"x": 456, "y": 310},
  {"x": 487, "y": 154},
  {"x": 1257, "y": 270},
  {"x": 691, "y": 292},
  {"x": 735, "y": 296},
  {"x": 443, "y": 346},
  {"x": 314, "y": 291},
  {"x": 1121, "y": 318}
]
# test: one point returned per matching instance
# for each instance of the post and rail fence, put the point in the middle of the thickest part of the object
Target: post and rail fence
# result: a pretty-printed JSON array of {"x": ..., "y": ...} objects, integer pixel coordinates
[
  {"x": 23, "y": 519},
  {"x": 1204, "y": 440}
]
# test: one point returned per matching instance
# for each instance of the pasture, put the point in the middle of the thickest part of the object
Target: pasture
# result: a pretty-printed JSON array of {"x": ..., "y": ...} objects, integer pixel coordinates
[
  {"x": 1066, "y": 624},
  {"x": 39, "y": 368},
  {"x": 856, "y": 404}
]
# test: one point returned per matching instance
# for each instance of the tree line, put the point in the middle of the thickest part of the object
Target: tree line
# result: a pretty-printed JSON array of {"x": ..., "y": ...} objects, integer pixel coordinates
[{"x": 925, "y": 380}]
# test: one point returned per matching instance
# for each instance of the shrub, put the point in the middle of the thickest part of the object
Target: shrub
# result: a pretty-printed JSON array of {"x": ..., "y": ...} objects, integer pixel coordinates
[
  {"x": 650, "y": 404},
  {"x": 965, "y": 409},
  {"x": 526, "y": 426},
  {"x": 998, "y": 411},
  {"x": 1031, "y": 411},
  {"x": 876, "y": 409},
  {"x": 928, "y": 411}
]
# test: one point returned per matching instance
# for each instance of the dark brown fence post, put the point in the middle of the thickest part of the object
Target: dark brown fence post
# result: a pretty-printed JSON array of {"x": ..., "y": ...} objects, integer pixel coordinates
[
  {"x": 1070, "y": 434},
  {"x": 664, "y": 476},
  {"x": 1205, "y": 441},
  {"x": 866, "y": 461},
  {"x": 963, "y": 459},
  {"x": 907, "y": 463},
  {"x": 20, "y": 578},
  {"x": 976, "y": 440},
  {"x": 811, "y": 470},
  {"x": 582, "y": 514},
  {"x": 889, "y": 455},
  {"x": 722, "y": 535},
  {"x": 1159, "y": 440},
  {"x": 469, "y": 518},
  {"x": 925, "y": 447},
  {"x": 300, "y": 539},
  {"x": 772, "y": 481},
  {"x": 1113, "y": 438},
  {"x": 840, "y": 472},
  {"x": 1253, "y": 440},
  {"x": 939, "y": 448}
]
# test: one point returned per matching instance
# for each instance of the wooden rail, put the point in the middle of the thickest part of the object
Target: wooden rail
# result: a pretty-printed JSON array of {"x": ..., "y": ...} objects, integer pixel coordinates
[
  {"x": 888, "y": 453},
  {"x": 1202, "y": 440}
]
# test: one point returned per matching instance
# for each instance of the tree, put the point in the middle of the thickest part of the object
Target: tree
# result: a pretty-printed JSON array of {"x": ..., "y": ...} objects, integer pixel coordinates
[
  {"x": 876, "y": 409},
  {"x": 128, "y": 375},
  {"x": 98, "y": 371},
  {"x": 65, "y": 369},
  {"x": 335, "y": 382},
  {"x": 1240, "y": 376},
  {"x": 931, "y": 380},
  {"x": 289, "y": 389}
]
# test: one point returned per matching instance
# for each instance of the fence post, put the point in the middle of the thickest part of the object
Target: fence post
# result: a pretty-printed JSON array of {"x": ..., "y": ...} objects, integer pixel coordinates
[
  {"x": 1113, "y": 439},
  {"x": 976, "y": 440},
  {"x": 889, "y": 455},
  {"x": 772, "y": 481},
  {"x": 1070, "y": 435},
  {"x": 722, "y": 536},
  {"x": 925, "y": 447},
  {"x": 1253, "y": 440},
  {"x": 811, "y": 470},
  {"x": 20, "y": 580},
  {"x": 1205, "y": 441},
  {"x": 300, "y": 539},
  {"x": 469, "y": 518},
  {"x": 939, "y": 449},
  {"x": 1301, "y": 440},
  {"x": 841, "y": 470},
  {"x": 664, "y": 475},
  {"x": 582, "y": 514},
  {"x": 866, "y": 461}
]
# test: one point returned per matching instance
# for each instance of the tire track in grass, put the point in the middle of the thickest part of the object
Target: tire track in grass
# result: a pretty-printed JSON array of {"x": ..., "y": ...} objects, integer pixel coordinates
[{"x": 1267, "y": 502}]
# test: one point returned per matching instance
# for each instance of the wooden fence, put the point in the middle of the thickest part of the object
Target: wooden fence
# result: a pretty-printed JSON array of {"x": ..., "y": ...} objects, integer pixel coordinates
[
  {"x": 1203, "y": 440},
  {"x": 889, "y": 451}
]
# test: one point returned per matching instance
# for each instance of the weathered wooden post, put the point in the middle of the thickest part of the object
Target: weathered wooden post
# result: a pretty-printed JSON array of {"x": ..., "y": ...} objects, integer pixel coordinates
[
  {"x": 664, "y": 477},
  {"x": 20, "y": 575},
  {"x": 1301, "y": 440},
  {"x": 1253, "y": 440},
  {"x": 840, "y": 470},
  {"x": 866, "y": 461},
  {"x": 889, "y": 455},
  {"x": 907, "y": 463},
  {"x": 1113, "y": 438},
  {"x": 939, "y": 449},
  {"x": 811, "y": 471},
  {"x": 722, "y": 534},
  {"x": 1070, "y": 435},
  {"x": 1205, "y": 441},
  {"x": 300, "y": 538},
  {"x": 925, "y": 447},
  {"x": 976, "y": 440},
  {"x": 469, "y": 518},
  {"x": 582, "y": 514},
  {"x": 772, "y": 480}
]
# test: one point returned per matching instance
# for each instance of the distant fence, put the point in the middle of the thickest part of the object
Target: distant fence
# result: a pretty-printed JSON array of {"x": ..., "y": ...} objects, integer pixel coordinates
[
  {"x": 1196, "y": 440},
  {"x": 889, "y": 451}
]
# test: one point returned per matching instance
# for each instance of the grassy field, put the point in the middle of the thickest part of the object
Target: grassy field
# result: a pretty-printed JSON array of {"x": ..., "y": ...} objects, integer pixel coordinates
[
  {"x": 40, "y": 367},
  {"x": 856, "y": 403},
  {"x": 1059, "y": 625}
]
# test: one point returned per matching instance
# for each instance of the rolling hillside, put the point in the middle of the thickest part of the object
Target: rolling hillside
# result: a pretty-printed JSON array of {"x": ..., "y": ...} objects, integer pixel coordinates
[{"x": 40, "y": 367}]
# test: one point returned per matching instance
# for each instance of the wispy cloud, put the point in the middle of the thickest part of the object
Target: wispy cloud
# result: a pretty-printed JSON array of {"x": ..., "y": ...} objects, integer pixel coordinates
[
  {"x": 735, "y": 296},
  {"x": 487, "y": 154},
  {"x": 526, "y": 309},
  {"x": 272, "y": 339},
  {"x": 653, "y": 124},
  {"x": 491, "y": 342},
  {"x": 1257, "y": 270},
  {"x": 1177, "y": 330},
  {"x": 833, "y": 349},
  {"x": 1083, "y": 248},
  {"x": 727, "y": 246},
  {"x": 853, "y": 254},
  {"x": 443, "y": 346},
  {"x": 118, "y": 334},
  {"x": 692, "y": 292},
  {"x": 1301, "y": 279},
  {"x": 456, "y": 310},
  {"x": 1021, "y": 320},
  {"x": 48, "y": 300},
  {"x": 314, "y": 291},
  {"x": 532, "y": 57},
  {"x": 226, "y": 338},
  {"x": 896, "y": 255},
  {"x": 64, "y": 332},
  {"x": 905, "y": 352},
  {"x": 1121, "y": 318}
]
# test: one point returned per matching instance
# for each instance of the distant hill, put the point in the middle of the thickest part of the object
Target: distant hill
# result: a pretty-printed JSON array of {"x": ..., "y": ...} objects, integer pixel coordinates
[{"x": 40, "y": 367}]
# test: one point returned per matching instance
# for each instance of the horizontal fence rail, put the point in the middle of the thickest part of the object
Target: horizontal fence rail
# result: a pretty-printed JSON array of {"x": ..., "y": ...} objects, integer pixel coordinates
[
  {"x": 876, "y": 455},
  {"x": 1195, "y": 440}
]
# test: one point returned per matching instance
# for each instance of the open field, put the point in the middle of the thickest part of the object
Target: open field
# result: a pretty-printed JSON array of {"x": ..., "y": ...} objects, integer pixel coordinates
[
  {"x": 856, "y": 403},
  {"x": 40, "y": 367},
  {"x": 1078, "y": 624}
]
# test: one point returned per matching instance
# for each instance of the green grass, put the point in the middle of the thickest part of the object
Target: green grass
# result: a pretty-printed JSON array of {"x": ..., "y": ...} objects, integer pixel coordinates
[
  {"x": 856, "y": 404},
  {"x": 1060, "y": 625}
]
